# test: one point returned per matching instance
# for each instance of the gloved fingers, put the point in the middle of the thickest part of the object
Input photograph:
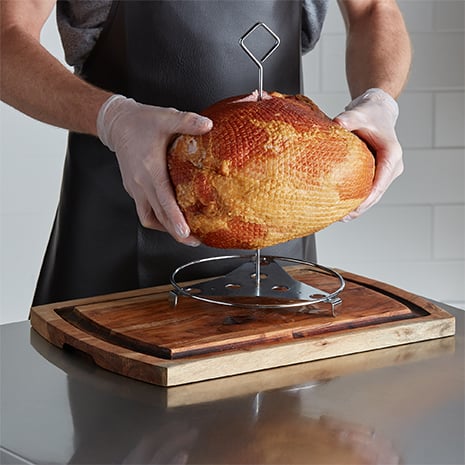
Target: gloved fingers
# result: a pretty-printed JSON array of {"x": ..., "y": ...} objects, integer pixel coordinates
[
  {"x": 159, "y": 188},
  {"x": 139, "y": 135},
  {"x": 376, "y": 133},
  {"x": 147, "y": 217},
  {"x": 185, "y": 122},
  {"x": 163, "y": 202},
  {"x": 372, "y": 117},
  {"x": 154, "y": 214},
  {"x": 389, "y": 166},
  {"x": 373, "y": 198},
  {"x": 144, "y": 210},
  {"x": 352, "y": 120},
  {"x": 154, "y": 177}
]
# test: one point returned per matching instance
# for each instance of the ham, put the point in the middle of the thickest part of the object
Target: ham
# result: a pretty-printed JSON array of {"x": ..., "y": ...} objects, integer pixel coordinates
[{"x": 269, "y": 171}]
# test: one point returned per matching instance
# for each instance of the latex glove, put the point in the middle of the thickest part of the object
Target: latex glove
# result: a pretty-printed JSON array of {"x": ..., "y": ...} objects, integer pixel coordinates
[
  {"x": 372, "y": 116},
  {"x": 139, "y": 135}
]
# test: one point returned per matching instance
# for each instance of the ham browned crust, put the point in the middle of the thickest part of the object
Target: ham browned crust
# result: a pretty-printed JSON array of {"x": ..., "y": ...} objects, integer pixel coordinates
[{"x": 269, "y": 171}]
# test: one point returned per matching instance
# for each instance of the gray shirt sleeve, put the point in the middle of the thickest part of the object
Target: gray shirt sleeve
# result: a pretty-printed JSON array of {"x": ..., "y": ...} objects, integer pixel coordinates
[
  {"x": 313, "y": 16},
  {"x": 80, "y": 23}
]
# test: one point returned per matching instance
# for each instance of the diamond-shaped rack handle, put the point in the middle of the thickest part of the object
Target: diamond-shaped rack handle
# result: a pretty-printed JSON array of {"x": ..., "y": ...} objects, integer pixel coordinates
[{"x": 257, "y": 61}]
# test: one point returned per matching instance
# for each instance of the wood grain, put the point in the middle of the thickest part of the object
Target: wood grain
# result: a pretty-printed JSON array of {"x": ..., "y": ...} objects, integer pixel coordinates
[{"x": 138, "y": 334}]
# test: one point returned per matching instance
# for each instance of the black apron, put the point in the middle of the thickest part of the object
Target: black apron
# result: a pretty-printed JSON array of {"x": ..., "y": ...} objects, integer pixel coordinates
[{"x": 181, "y": 54}]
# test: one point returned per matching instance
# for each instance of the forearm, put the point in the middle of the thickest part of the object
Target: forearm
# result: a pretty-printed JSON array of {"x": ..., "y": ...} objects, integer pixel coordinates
[
  {"x": 378, "y": 50},
  {"x": 36, "y": 83}
]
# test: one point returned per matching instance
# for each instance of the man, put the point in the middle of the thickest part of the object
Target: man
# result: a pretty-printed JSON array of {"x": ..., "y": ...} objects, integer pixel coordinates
[{"x": 118, "y": 225}]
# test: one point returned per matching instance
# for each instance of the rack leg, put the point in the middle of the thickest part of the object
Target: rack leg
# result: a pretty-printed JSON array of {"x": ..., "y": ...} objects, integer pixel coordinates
[{"x": 257, "y": 268}]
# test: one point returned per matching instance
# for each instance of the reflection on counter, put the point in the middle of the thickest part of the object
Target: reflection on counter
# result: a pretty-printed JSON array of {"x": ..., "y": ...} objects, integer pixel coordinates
[
  {"x": 265, "y": 417},
  {"x": 234, "y": 431}
]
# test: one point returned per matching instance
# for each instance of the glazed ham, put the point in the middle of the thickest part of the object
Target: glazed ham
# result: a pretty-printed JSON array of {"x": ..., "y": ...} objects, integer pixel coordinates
[{"x": 269, "y": 171}]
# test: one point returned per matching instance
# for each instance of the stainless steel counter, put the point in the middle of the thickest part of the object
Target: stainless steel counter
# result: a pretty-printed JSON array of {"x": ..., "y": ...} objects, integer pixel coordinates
[{"x": 399, "y": 405}]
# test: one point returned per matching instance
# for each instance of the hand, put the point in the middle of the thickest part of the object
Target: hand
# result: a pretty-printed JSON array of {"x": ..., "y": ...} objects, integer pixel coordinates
[
  {"x": 370, "y": 448},
  {"x": 372, "y": 116},
  {"x": 171, "y": 444},
  {"x": 139, "y": 135}
]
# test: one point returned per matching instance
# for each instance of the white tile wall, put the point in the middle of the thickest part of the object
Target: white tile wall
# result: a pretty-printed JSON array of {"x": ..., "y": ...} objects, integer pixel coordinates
[
  {"x": 449, "y": 116},
  {"x": 431, "y": 176},
  {"x": 32, "y": 155},
  {"x": 448, "y": 222},
  {"x": 438, "y": 280},
  {"x": 333, "y": 63},
  {"x": 418, "y": 15},
  {"x": 25, "y": 189},
  {"x": 311, "y": 70},
  {"x": 416, "y": 119},
  {"x": 414, "y": 238},
  {"x": 438, "y": 61},
  {"x": 449, "y": 15}
]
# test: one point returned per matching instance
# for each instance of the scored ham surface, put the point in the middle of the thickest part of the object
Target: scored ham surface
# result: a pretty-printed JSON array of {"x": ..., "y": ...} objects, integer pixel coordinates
[{"x": 269, "y": 171}]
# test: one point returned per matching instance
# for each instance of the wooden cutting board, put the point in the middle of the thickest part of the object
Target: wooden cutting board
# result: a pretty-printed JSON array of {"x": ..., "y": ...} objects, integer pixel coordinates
[{"x": 140, "y": 335}]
